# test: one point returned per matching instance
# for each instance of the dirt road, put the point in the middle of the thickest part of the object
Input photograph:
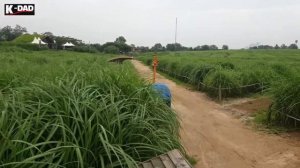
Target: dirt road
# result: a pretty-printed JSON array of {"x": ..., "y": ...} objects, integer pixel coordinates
[{"x": 218, "y": 140}]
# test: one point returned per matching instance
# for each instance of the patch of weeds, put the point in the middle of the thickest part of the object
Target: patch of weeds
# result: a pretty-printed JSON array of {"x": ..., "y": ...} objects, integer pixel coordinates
[
  {"x": 261, "y": 123},
  {"x": 192, "y": 160}
]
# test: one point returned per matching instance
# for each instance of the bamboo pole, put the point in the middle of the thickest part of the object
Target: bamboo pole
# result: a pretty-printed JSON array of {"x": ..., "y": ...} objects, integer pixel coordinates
[{"x": 155, "y": 64}]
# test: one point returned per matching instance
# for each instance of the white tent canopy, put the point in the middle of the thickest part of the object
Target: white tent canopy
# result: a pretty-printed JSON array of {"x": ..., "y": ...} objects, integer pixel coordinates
[
  {"x": 38, "y": 41},
  {"x": 67, "y": 44},
  {"x": 35, "y": 41}
]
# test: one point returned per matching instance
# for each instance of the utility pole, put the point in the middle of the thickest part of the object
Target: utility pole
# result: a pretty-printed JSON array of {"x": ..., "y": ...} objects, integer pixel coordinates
[
  {"x": 175, "y": 35},
  {"x": 176, "y": 32}
]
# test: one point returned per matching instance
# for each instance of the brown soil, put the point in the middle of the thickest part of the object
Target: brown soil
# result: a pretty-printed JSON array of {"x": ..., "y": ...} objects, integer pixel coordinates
[
  {"x": 252, "y": 106},
  {"x": 219, "y": 140}
]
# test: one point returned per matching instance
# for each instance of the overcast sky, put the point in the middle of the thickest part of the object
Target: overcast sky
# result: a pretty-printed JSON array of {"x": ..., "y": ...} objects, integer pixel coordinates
[{"x": 237, "y": 23}]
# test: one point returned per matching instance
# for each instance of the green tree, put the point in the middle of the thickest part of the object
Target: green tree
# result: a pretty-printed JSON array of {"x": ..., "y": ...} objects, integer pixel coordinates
[
  {"x": 277, "y": 46},
  {"x": 225, "y": 47},
  {"x": 97, "y": 46},
  {"x": 120, "y": 40},
  {"x": 48, "y": 34},
  {"x": 111, "y": 49},
  {"x": 19, "y": 30},
  {"x": 157, "y": 47},
  {"x": 174, "y": 47},
  {"x": 197, "y": 48},
  {"x": 8, "y": 33},
  {"x": 142, "y": 49},
  {"x": 213, "y": 47},
  {"x": 293, "y": 46},
  {"x": 283, "y": 46},
  {"x": 170, "y": 47},
  {"x": 205, "y": 47}
]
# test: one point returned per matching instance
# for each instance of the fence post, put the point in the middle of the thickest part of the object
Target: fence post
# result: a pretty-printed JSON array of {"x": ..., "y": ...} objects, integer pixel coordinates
[{"x": 220, "y": 93}]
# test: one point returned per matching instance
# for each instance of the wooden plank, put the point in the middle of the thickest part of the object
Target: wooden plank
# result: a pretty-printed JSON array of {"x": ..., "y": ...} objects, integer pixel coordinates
[
  {"x": 157, "y": 163},
  {"x": 178, "y": 159},
  {"x": 147, "y": 164},
  {"x": 140, "y": 166},
  {"x": 167, "y": 161}
]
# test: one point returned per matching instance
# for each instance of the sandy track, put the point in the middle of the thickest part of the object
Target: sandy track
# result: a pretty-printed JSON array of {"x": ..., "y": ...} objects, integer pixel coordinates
[{"x": 218, "y": 140}]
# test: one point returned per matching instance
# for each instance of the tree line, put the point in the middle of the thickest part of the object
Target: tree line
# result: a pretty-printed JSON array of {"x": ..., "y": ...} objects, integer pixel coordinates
[
  {"x": 9, "y": 33},
  {"x": 283, "y": 46},
  {"x": 158, "y": 47}
]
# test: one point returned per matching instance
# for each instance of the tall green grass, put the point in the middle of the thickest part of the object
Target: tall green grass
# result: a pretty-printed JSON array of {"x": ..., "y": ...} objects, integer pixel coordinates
[
  {"x": 237, "y": 73},
  {"x": 67, "y": 109},
  {"x": 286, "y": 102}
]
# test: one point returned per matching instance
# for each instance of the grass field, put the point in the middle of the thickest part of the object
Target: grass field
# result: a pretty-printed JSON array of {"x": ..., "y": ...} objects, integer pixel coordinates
[
  {"x": 240, "y": 73},
  {"x": 68, "y": 109}
]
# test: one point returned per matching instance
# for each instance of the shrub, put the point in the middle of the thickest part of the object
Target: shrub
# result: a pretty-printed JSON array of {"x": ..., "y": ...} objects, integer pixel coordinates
[
  {"x": 111, "y": 50},
  {"x": 32, "y": 47},
  {"x": 88, "y": 49}
]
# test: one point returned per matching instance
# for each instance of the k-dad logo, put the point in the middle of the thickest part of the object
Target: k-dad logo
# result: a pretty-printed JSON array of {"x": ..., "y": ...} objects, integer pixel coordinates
[{"x": 19, "y": 9}]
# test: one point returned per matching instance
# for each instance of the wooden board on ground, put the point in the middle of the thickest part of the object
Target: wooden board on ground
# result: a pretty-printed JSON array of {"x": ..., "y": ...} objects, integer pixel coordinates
[
  {"x": 172, "y": 159},
  {"x": 120, "y": 59}
]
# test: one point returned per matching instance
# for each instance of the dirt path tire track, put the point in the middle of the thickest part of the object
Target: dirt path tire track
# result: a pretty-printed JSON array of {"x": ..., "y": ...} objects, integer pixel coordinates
[{"x": 218, "y": 140}]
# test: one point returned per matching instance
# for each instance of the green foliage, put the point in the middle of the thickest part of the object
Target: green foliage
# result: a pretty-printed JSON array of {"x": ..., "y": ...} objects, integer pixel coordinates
[
  {"x": 174, "y": 47},
  {"x": 238, "y": 73},
  {"x": 225, "y": 79},
  {"x": 122, "y": 47},
  {"x": 111, "y": 49},
  {"x": 203, "y": 47},
  {"x": 32, "y": 47},
  {"x": 283, "y": 46},
  {"x": 213, "y": 47},
  {"x": 25, "y": 38},
  {"x": 293, "y": 46},
  {"x": 69, "y": 109},
  {"x": 262, "y": 47},
  {"x": 227, "y": 65},
  {"x": 83, "y": 48},
  {"x": 120, "y": 40},
  {"x": 97, "y": 46},
  {"x": 225, "y": 47},
  {"x": 60, "y": 40},
  {"x": 200, "y": 72},
  {"x": 8, "y": 33},
  {"x": 286, "y": 97},
  {"x": 17, "y": 46},
  {"x": 157, "y": 47}
]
